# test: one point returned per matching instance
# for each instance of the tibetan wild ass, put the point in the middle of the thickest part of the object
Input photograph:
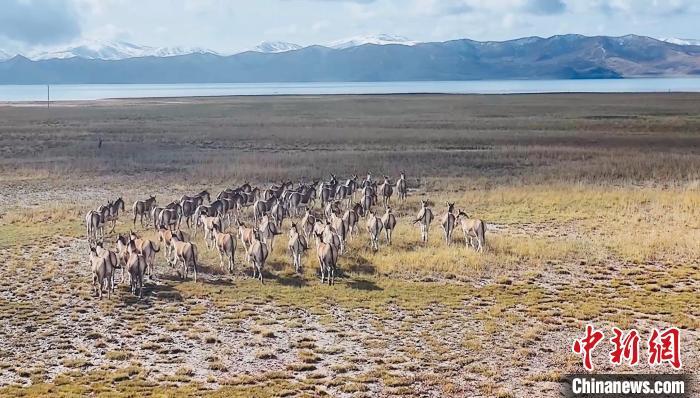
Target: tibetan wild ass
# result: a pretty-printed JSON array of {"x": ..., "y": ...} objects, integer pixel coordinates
[
  {"x": 155, "y": 212},
  {"x": 268, "y": 230},
  {"x": 113, "y": 212},
  {"x": 137, "y": 268},
  {"x": 170, "y": 217},
  {"x": 209, "y": 223},
  {"x": 185, "y": 252},
  {"x": 226, "y": 244},
  {"x": 307, "y": 224},
  {"x": 327, "y": 190},
  {"x": 262, "y": 207},
  {"x": 201, "y": 210},
  {"x": 143, "y": 208},
  {"x": 297, "y": 246},
  {"x": 278, "y": 211},
  {"x": 389, "y": 222},
  {"x": 198, "y": 199},
  {"x": 351, "y": 217},
  {"x": 301, "y": 200},
  {"x": 328, "y": 233},
  {"x": 145, "y": 247},
  {"x": 188, "y": 207},
  {"x": 257, "y": 255},
  {"x": 367, "y": 200},
  {"x": 246, "y": 235},
  {"x": 448, "y": 222},
  {"x": 327, "y": 254},
  {"x": 123, "y": 252},
  {"x": 474, "y": 231},
  {"x": 386, "y": 189},
  {"x": 340, "y": 227},
  {"x": 113, "y": 260},
  {"x": 425, "y": 217},
  {"x": 95, "y": 226},
  {"x": 332, "y": 207},
  {"x": 165, "y": 236},
  {"x": 402, "y": 187},
  {"x": 101, "y": 273},
  {"x": 374, "y": 228}
]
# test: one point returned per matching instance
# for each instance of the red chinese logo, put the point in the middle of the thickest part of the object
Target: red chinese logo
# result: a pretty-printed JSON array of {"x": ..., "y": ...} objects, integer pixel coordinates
[
  {"x": 586, "y": 345},
  {"x": 664, "y": 347},
  {"x": 626, "y": 347}
]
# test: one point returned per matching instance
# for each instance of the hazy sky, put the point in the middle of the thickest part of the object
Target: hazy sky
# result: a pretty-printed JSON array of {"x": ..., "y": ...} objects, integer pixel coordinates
[{"x": 228, "y": 25}]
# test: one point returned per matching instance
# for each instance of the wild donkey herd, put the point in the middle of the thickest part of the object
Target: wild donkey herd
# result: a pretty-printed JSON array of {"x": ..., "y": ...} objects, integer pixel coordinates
[{"x": 337, "y": 224}]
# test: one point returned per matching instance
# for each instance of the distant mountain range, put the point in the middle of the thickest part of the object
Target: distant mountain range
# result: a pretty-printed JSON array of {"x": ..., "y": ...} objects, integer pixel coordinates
[
  {"x": 373, "y": 58},
  {"x": 116, "y": 50}
]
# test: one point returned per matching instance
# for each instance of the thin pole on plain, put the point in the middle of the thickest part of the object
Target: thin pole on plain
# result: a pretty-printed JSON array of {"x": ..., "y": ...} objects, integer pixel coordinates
[{"x": 48, "y": 96}]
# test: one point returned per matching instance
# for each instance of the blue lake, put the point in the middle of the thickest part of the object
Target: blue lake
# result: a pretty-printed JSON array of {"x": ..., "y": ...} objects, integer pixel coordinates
[{"x": 68, "y": 92}]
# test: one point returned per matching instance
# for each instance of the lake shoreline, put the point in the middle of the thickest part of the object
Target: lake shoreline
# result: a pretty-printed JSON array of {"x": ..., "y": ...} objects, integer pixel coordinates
[
  {"x": 56, "y": 93},
  {"x": 189, "y": 100}
]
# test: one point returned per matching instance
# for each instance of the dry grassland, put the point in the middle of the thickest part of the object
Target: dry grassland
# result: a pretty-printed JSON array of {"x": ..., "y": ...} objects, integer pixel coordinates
[{"x": 593, "y": 211}]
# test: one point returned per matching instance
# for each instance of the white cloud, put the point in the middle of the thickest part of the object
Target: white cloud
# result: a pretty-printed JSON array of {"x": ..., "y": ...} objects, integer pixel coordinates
[
  {"x": 320, "y": 25},
  {"x": 654, "y": 8},
  {"x": 39, "y": 22}
]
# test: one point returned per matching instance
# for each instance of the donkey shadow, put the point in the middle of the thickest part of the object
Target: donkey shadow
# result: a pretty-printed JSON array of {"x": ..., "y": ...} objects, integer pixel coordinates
[
  {"x": 293, "y": 280},
  {"x": 151, "y": 293},
  {"x": 363, "y": 284},
  {"x": 358, "y": 264}
]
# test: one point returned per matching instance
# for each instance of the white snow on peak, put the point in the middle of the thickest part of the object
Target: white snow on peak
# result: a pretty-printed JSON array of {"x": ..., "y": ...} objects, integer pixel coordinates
[
  {"x": 114, "y": 50},
  {"x": 382, "y": 39},
  {"x": 682, "y": 42},
  {"x": 5, "y": 55},
  {"x": 275, "y": 47}
]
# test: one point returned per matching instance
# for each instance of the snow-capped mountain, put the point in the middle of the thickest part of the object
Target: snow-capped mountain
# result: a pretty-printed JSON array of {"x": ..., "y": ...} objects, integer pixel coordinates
[
  {"x": 175, "y": 51},
  {"x": 556, "y": 57},
  {"x": 275, "y": 47},
  {"x": 5, "y": 55},
  {"x": 114, "y": 50},
  {"x": 382, "y": 39},
  {"x": 682, "y": 42}
]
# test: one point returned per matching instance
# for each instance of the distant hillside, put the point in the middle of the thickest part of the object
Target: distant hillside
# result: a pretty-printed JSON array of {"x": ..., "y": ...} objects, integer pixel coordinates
[{"x": 557, "y": 57}]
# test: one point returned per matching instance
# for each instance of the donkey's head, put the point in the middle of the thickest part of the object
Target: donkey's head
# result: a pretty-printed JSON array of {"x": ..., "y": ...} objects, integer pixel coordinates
[{"x": 121, "y": 239}]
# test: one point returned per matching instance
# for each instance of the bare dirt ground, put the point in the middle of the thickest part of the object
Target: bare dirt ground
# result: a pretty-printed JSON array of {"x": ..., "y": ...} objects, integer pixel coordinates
[{"x": 410, "y": 320}]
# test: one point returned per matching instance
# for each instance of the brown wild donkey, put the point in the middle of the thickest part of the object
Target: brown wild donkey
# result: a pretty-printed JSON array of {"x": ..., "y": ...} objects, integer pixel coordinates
[
  {"x": 474, "y": 231},
  {"x": 226, "y": 245}
]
